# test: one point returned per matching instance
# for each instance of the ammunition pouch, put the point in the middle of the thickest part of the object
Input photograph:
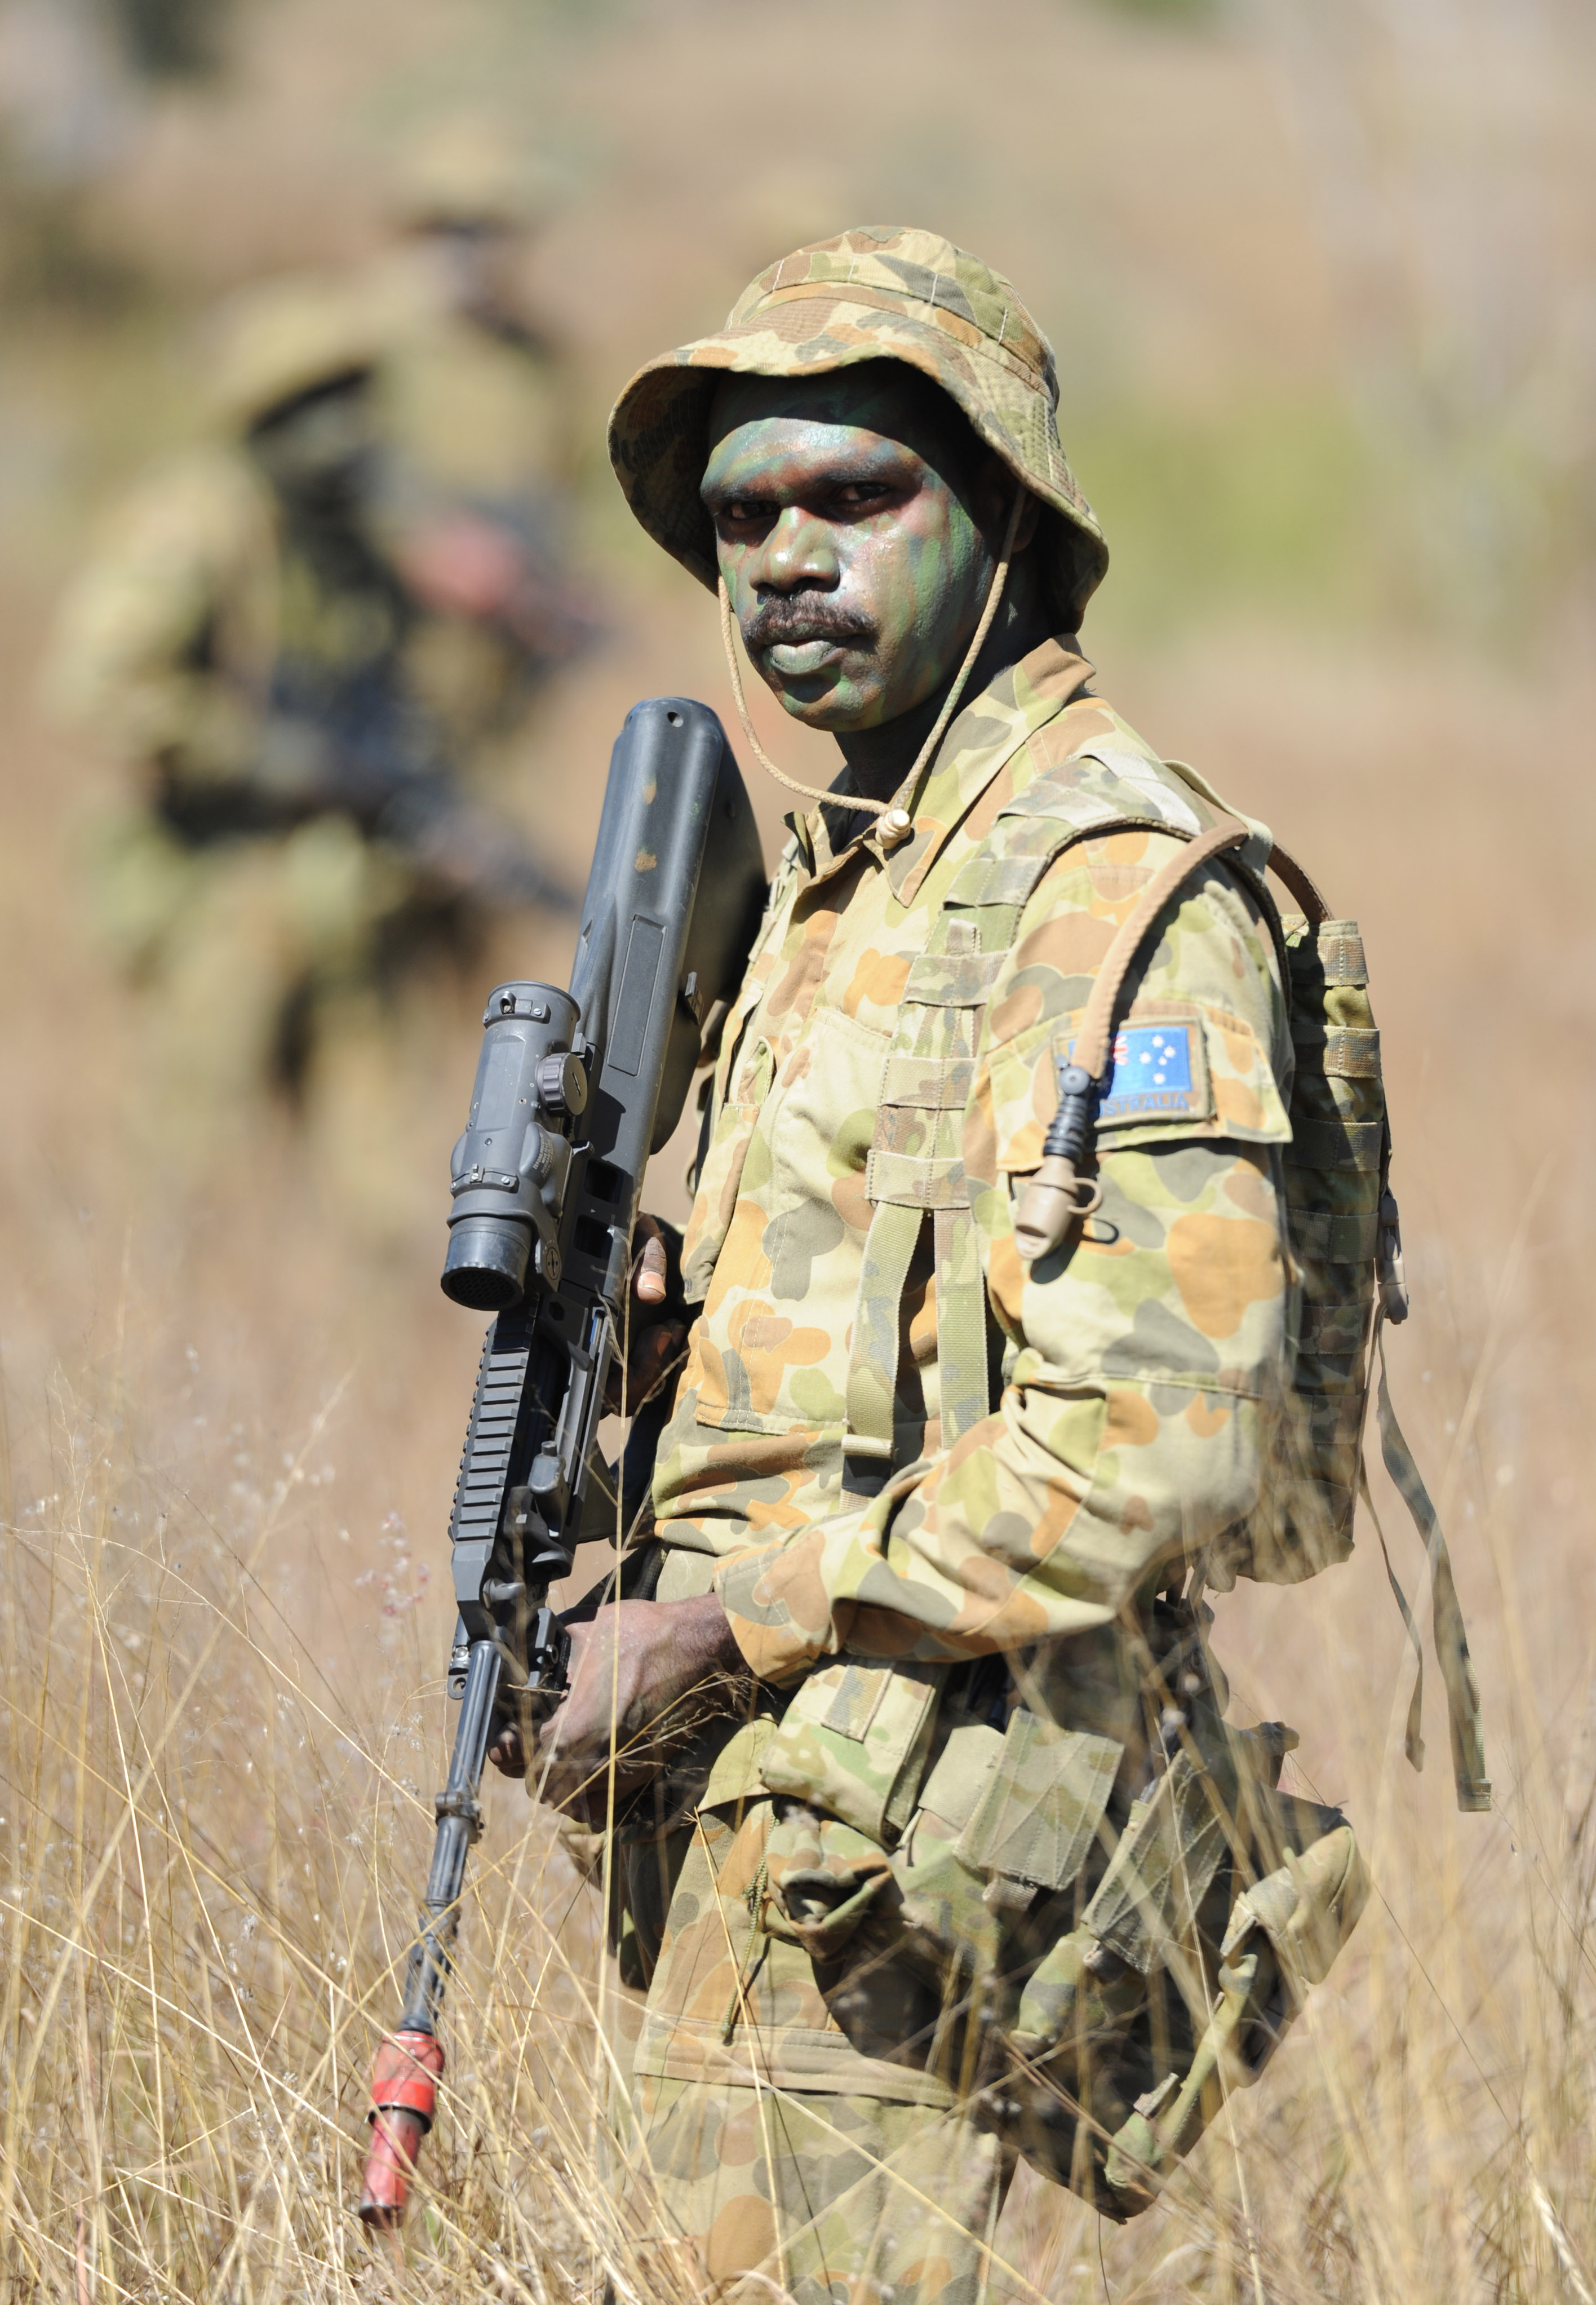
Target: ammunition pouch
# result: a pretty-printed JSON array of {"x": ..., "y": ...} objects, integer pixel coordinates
[{"x": 1096, "y": 1970}]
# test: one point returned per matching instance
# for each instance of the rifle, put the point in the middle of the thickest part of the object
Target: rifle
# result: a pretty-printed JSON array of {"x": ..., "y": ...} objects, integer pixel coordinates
[
  {"x": 384, "y": 765},
  {"x": 574, "y": 1091}
]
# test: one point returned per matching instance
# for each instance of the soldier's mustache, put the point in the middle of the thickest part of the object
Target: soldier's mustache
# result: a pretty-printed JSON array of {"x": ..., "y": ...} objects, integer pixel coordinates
[{"x": 805, "y": 619}]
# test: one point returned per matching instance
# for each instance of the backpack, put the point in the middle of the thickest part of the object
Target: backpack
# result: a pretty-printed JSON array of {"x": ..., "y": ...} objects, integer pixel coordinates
[{"x": 1345, "y": 1237}]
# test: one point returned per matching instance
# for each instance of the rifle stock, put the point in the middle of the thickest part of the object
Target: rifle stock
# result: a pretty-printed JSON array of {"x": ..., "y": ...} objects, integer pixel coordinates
[{"x": 574, "y": 1091}]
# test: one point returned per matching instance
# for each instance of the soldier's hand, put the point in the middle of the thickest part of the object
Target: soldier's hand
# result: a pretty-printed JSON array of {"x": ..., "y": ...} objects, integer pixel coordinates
[
  {"x": 643, "y": 1675},
  {"x": 462, "y": 565},
  {"x": 658, "y": 1337}
]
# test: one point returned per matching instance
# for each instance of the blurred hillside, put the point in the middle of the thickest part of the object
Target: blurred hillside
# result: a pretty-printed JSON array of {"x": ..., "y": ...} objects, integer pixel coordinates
[{"x": 1321, "y": 282}]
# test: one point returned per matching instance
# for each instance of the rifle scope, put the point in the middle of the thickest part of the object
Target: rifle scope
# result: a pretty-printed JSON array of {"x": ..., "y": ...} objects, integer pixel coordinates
[{"x": 508, "y": 1168}]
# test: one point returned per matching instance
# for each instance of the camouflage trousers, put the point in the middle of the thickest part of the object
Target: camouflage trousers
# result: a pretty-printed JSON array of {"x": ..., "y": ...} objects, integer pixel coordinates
[
  {"x": 837, "y": 2065},
  {"x": 760, "y": 2133}
]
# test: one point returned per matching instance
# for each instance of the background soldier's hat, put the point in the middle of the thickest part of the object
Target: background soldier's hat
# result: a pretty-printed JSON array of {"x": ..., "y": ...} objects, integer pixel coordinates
[
  {"x": 880, "y": 292},
  {"x": 470, "y": 169}
]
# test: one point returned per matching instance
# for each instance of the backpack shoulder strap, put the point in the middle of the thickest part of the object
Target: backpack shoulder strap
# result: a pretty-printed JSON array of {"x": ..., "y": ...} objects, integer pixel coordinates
[{"x": 1059, "y": 1196}]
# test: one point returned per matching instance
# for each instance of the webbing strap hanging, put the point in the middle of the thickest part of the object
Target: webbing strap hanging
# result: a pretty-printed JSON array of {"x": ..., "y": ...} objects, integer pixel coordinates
[
  {"x": 890, "y": 1248},
  {"x": 1451, "y": 1638},
  {"x": 1412, "y": 1735},
  {"x": 961, "y": 1325}
]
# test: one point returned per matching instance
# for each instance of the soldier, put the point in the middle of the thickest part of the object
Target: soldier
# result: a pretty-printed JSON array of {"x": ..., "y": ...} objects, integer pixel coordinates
[
  {"x": 968, "y": 1865},
  {"x": 475, "y": 407},
  {"x": 252, "y": 643}
]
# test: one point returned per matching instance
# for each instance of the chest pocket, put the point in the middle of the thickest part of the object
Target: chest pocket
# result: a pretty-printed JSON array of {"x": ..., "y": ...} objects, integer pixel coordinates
[{"x": 771, "y": 1350}]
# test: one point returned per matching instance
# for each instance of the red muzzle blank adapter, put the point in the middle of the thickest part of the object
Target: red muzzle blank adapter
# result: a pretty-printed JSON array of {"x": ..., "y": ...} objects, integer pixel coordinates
[{"x": 404, "y": 2100}]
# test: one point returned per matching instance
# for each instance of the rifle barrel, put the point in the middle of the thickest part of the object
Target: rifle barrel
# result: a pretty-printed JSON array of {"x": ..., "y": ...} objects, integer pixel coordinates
[{"x": 404, "y": 2087}]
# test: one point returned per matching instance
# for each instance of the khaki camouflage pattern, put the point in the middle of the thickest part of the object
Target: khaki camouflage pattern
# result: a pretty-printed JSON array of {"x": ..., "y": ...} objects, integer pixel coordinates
[
  {"x": 888, "y": 1067},
  {"x": 167, "y": 643},
  {"x": 973, "y": 1890},
  {"x": 770, "y": 2143},
  {"x": 279, "y": 337},
  {"x": 188, "y": 559},
  {"x": 1137, "y": 1377},
  {"x": 876, "y": 292},
  {"x": 470, "y": 167},
  {"x": 165, "y": 652},
  {"x": 469, "y": 412},
  {"x": 831, "y": 2029},
  {"x": 254, "y": 936}
]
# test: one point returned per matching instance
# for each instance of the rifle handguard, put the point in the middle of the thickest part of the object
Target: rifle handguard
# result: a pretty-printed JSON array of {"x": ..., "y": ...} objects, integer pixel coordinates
[
  {"x": 1058, "y": 1197},
  {"x": 403, "y": 2103}
]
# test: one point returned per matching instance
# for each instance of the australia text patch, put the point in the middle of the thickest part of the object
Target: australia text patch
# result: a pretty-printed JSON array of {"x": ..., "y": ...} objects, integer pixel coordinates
[{"x": 1154, "y": 1072}]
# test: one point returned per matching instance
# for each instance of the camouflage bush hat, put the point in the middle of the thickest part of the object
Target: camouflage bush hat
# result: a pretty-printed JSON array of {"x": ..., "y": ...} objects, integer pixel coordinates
[{"x": 880, "y": 292}]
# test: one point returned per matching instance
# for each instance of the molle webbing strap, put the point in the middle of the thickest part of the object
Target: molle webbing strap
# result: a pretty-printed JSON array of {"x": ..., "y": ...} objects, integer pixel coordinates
[
  {"x": 872, "y": 1370},
  {"x": 915, "y": 1165},
  {"x": 961, "y": 1324}
]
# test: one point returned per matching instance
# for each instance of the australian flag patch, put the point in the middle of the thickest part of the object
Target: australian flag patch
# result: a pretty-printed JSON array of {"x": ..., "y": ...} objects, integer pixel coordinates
[{"x": 1153, "y": 1073}]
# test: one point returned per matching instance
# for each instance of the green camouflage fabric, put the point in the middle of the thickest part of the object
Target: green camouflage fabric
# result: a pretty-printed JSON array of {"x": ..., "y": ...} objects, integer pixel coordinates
[
  {"x": 164, "y": 644},
  {"x": 992, "y": 1878},
  {"x": 1136, "y": 1381},
  {"x": 842, "y": 2055},
  {"x": 876, "y": 292},
  {"x": 278, "y": 337},
  {"x": 197, "y": 596},
  {"x": 906, "y": 1914}
]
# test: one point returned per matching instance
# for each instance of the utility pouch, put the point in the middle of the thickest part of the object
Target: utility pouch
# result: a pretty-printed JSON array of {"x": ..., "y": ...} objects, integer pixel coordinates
[
  {"x": 822, "y": 1879},
  {"x": 854, "y": 1743},
  {"x": 1206, "y": 1804},
  {"x": 1042, "y": 1804}
]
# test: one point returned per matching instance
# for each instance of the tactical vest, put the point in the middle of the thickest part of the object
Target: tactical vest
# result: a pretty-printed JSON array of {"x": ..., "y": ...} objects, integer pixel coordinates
[
  {"x": 956, "y": 1846},
  {"x": 1342, "y": 1228}
]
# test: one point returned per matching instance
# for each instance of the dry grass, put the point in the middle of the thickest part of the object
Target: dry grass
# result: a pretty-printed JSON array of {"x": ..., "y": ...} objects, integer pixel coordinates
[
  {"x": 221, "y": 1719},
  {"x": 228, "y": 1431}
]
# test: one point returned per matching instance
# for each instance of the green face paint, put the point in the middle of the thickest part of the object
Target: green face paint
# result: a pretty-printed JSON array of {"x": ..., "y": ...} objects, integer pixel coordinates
[{"x": 846, "y": 507}]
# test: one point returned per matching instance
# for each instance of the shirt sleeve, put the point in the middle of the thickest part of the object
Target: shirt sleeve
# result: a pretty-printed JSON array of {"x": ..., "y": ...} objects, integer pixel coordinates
[
  {"x": 132, "y": 660},
  {"x": 1141, "y": 1361}
]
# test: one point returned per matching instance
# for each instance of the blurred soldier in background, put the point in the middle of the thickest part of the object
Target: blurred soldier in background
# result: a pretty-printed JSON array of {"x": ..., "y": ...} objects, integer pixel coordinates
[
  {"x": 258, "y": 639},
  {"x": 475, "y": 409}
]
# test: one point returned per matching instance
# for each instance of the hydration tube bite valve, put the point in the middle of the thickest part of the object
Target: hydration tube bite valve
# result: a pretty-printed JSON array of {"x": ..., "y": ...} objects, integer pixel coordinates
[{"x": 1059, "y": 1196}]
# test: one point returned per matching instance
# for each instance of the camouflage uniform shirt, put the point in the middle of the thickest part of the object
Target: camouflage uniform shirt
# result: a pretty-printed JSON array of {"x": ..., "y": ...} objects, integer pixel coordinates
[{"x": 1123, "y": 1413}]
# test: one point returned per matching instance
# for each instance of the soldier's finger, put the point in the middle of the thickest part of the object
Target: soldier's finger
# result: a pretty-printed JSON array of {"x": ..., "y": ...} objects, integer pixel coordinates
[{"x": 649, "y": 1282}]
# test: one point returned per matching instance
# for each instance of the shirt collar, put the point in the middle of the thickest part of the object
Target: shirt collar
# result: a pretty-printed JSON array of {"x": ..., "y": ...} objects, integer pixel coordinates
[{"x": 985, "y": 734}]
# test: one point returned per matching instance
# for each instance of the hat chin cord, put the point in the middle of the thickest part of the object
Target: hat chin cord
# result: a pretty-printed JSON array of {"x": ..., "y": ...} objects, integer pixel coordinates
[{"x": 880, "y": 808}]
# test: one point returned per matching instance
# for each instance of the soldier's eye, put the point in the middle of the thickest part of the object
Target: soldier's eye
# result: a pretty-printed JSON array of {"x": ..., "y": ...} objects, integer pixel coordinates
[{"x": 861, "y": 495}]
